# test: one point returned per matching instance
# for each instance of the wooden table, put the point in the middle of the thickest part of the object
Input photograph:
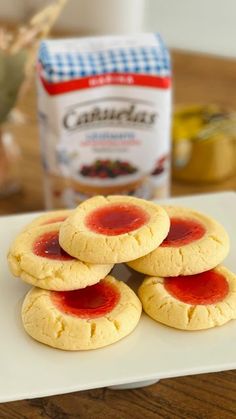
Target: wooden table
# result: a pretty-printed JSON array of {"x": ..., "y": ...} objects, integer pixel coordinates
[{"x": 197, "y": 78}]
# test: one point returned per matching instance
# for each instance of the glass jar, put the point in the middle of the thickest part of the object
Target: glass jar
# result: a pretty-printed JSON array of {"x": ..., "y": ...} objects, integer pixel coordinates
[{"x": 204, "y": 144}]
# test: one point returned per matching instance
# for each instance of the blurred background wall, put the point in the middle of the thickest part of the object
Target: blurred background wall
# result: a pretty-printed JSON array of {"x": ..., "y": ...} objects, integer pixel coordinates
[{"x": 186, "y": 24}]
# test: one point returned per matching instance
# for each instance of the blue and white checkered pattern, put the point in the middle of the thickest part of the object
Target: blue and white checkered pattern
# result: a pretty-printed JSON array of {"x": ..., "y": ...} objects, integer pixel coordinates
[{"x": 64, "y": 64}]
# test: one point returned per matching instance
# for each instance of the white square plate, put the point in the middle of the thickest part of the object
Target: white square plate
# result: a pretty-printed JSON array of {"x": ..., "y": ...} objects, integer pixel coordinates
[{"x": 29, "y": 369}]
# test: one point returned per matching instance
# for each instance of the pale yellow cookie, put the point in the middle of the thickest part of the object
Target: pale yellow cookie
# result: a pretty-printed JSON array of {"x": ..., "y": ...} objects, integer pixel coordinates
[
  {"x": 36, "y": 257},
  {"x": 114, "y": 229},
  {"x": 49, "y": 217},
  {"x": 209, "y": 246},
  {"x": 63, "y": 320},
  {"x": 203, "y": 303}
]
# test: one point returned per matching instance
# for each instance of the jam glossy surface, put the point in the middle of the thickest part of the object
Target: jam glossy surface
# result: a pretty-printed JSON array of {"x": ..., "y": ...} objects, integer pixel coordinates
[
  {"x": 115, "y": 219},
  {"x": 183, "y": 231},
  {"x": 90, "y": 302},
  {"x": 47, "y": 246},
  {"x": 55, "y": 220},
  {"x": 208, "y": 287}
]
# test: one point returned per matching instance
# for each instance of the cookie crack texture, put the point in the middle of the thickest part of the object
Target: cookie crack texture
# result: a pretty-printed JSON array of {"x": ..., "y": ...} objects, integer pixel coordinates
[
  {"x": 110, "y": 244},
  {"x": 134, "y": 306},
  {"x": 15, "y": 261},
  {"x": 151, "y": 232},
  {"x": 26, "y": 310},
  {"x": 181, "y": 255},
  {"x": 208, "y": 313},
  {"x": 164, "y": 304},
  {"x": 220, "y": 310},
  {"x": 93, "y": 328},
  {"x": 61, "y": 326},
  {"x": 17, "y": 257},
  {"x": 115, "y": 323},
  {"x": 150, "y": 298},
  {"x": 216, "y": 239},
  {"x": 190, "y": 312},
  {"x": 136, "y": 238},
  {"x": 169, "y": 305}
]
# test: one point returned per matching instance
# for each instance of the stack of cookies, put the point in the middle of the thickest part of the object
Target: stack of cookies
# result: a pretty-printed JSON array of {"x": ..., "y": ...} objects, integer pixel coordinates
[
  {"x": 67, "y": 256},
  {"x": 186, "y": 288}
]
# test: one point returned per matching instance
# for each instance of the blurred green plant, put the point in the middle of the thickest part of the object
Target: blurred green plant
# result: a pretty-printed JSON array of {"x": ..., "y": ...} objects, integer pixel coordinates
[{"x": 12, "y": 74}]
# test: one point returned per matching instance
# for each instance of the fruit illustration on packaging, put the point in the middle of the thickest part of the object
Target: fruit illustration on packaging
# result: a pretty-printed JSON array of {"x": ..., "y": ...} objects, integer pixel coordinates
[{"x": 105, "y": 169}]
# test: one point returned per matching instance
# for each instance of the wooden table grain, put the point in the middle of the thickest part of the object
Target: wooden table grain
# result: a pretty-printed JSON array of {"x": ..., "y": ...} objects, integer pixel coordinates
[{"x": 197, "y": 79}]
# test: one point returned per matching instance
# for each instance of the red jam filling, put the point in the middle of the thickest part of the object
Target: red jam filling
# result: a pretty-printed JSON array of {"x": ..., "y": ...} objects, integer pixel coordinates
[
  {"x": 90, "y": 302},
  {"x": 47, "y": 246},
  {"x": 206, "y": 288},
  {"x": 115, "y": 219},
  {"x": 55, "y": 220},
  {"x": 183, "y": 231}
]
